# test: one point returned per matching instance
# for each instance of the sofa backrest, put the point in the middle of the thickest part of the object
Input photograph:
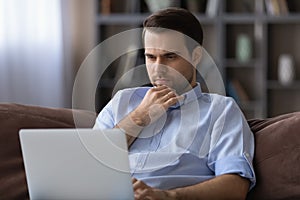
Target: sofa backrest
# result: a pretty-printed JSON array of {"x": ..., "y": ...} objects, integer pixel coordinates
[{"x": 277, "y": 157}]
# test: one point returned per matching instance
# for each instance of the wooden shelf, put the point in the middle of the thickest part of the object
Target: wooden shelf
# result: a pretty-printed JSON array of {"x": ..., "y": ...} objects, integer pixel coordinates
[
  {"x": 123, "y": 19},
  {"x": 290, "y": 18},
  {"x": 276, "y": 85},
  {"x": 239, "y": 18},
  {"x": 270, "y": 37},
  {"x": 233, "y": 63},
  {"x": 136, "y": 18}
]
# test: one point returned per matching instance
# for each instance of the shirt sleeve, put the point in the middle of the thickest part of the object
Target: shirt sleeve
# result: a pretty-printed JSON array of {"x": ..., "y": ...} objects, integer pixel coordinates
[
  {"x": 232, "y": 142},
  {"x": 106, "y": 118}
]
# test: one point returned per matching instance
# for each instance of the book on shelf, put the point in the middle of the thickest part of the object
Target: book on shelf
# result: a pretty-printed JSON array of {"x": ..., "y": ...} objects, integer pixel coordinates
[
  {"x": 276, "y": 7},
  {"x": 212, "y": 7},
  {"x": 196, "y": 6},
  {"x": 114, "y": 6},
  {"x": 237, "y": 91},
  {"x": 283, "y": 7},
  {"x": 105, "y": 7},
  {"x": 132, "y": 6}
]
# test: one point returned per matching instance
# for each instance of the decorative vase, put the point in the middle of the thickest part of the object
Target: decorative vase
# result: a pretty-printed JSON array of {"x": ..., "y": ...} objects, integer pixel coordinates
[
  {"x": 286, "y": 71},
  {"x": 243, "y": 48}
]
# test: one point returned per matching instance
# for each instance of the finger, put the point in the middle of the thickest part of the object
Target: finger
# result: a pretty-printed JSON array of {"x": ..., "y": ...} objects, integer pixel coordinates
[
  {"x": 180, "y": 98},
  {"x": 168, "y": 95},
  {"x": 162, "y": 88},
  {"x": 142, "y": 194},
  {"x": 159, "y": 87},
  {"x": 171, "y": 94},
  {"x": 164, "y": 91},
  {"x": 158, "y": 92},
  {"x": 133, "y": 180},
  {"x": 172, "y": 101},
  {"x": 138, "y": 184}
]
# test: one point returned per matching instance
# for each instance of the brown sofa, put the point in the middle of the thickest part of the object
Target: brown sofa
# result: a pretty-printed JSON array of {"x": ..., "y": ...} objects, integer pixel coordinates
[{"x": 277, "y": 152}]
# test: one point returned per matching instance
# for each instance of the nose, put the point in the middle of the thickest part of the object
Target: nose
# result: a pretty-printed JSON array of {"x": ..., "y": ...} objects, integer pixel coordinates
[{"x": 160, "y": 66}]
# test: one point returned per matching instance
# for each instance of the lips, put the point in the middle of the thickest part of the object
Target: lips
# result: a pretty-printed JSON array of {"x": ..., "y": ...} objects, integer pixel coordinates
[{"x": 162, "y": 81}]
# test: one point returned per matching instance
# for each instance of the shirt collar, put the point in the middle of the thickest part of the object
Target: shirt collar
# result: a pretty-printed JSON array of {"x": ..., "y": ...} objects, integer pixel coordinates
[{"x": 189, "y": 96}]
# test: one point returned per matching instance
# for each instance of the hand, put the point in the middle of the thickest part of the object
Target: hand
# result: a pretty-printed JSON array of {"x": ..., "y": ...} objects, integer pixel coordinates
[
  {"x": 155, "y": 103},
  {"x": 143, "y": 191}
]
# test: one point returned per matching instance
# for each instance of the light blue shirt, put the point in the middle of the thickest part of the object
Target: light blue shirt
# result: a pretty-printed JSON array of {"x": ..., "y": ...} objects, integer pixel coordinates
[{"x": 203, "y": 136}]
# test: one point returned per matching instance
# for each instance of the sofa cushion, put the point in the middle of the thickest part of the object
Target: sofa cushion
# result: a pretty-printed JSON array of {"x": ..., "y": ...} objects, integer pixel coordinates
[
  {"x": 277, "y": 157},
  {"x": 13, "y": 117}
]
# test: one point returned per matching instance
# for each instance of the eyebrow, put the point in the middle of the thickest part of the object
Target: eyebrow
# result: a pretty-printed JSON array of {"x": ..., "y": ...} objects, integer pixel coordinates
[
  {"x": 164, "y": 54},
  {"x": 148, "y": 54}
]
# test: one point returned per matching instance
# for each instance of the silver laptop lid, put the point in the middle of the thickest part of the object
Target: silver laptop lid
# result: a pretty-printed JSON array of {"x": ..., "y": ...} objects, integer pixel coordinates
[{"x": 76, "y": 164}]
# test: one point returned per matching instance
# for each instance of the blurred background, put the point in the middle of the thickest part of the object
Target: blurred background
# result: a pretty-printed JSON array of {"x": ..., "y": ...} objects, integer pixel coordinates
[
  {"x": 42, "y": 45},
  {"x": 254, "y": 43}
]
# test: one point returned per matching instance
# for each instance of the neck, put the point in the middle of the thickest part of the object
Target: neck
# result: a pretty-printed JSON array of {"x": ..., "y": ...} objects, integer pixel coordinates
[{"x": 187, "y": 88}]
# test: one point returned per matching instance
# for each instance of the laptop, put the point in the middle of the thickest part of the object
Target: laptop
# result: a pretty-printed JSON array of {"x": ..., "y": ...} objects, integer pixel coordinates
[{"x": 76, "y": 164}]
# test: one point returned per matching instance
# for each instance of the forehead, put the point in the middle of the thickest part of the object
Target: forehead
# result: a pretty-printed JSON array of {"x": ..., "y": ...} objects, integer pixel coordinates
[{"x": 166, "y": 40}]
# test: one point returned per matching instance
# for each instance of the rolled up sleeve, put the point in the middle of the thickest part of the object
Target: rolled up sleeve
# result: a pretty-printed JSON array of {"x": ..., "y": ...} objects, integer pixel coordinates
[{"x": 232, "y": 144}]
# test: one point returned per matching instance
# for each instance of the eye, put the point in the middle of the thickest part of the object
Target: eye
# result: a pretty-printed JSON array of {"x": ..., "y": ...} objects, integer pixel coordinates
[
  {"x": 171, "y": 56},
  {"x": 150, "y": 57}
]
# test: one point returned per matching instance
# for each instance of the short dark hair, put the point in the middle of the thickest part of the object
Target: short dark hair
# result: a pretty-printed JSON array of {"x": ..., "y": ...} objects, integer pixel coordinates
[{"x": 177, "y": 19}]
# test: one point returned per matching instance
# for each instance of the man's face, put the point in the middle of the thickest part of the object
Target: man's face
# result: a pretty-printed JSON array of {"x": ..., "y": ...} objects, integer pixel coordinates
[{"x": 168, "y": 60}]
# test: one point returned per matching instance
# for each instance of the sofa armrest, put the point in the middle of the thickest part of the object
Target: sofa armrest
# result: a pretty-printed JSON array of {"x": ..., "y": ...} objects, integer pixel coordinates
[{"x": 277, "y": 157}]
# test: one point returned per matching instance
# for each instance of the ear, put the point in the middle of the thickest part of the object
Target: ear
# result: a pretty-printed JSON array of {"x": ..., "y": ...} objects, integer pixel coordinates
[{"x": 197, "y": 55}]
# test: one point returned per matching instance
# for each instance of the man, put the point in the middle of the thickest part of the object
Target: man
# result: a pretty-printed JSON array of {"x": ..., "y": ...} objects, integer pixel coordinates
[{"x": 183, "y": 143}]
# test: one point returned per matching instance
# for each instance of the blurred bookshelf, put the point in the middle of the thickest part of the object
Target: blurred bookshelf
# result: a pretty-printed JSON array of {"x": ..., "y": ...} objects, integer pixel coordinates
[{"x": 270, "y": 31}]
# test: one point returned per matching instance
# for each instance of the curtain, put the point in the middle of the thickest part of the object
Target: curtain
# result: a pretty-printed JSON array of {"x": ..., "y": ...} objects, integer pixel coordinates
[
  {"x": 79, "y": 39},
  {"x": 31, "y": 52}
]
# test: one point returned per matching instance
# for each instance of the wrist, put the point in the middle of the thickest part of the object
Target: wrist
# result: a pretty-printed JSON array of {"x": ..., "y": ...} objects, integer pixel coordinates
[
  {"x": 140, "y": 118},
  {"x": 132, "y": 124},
  {"x": 170, "y": 194}
]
